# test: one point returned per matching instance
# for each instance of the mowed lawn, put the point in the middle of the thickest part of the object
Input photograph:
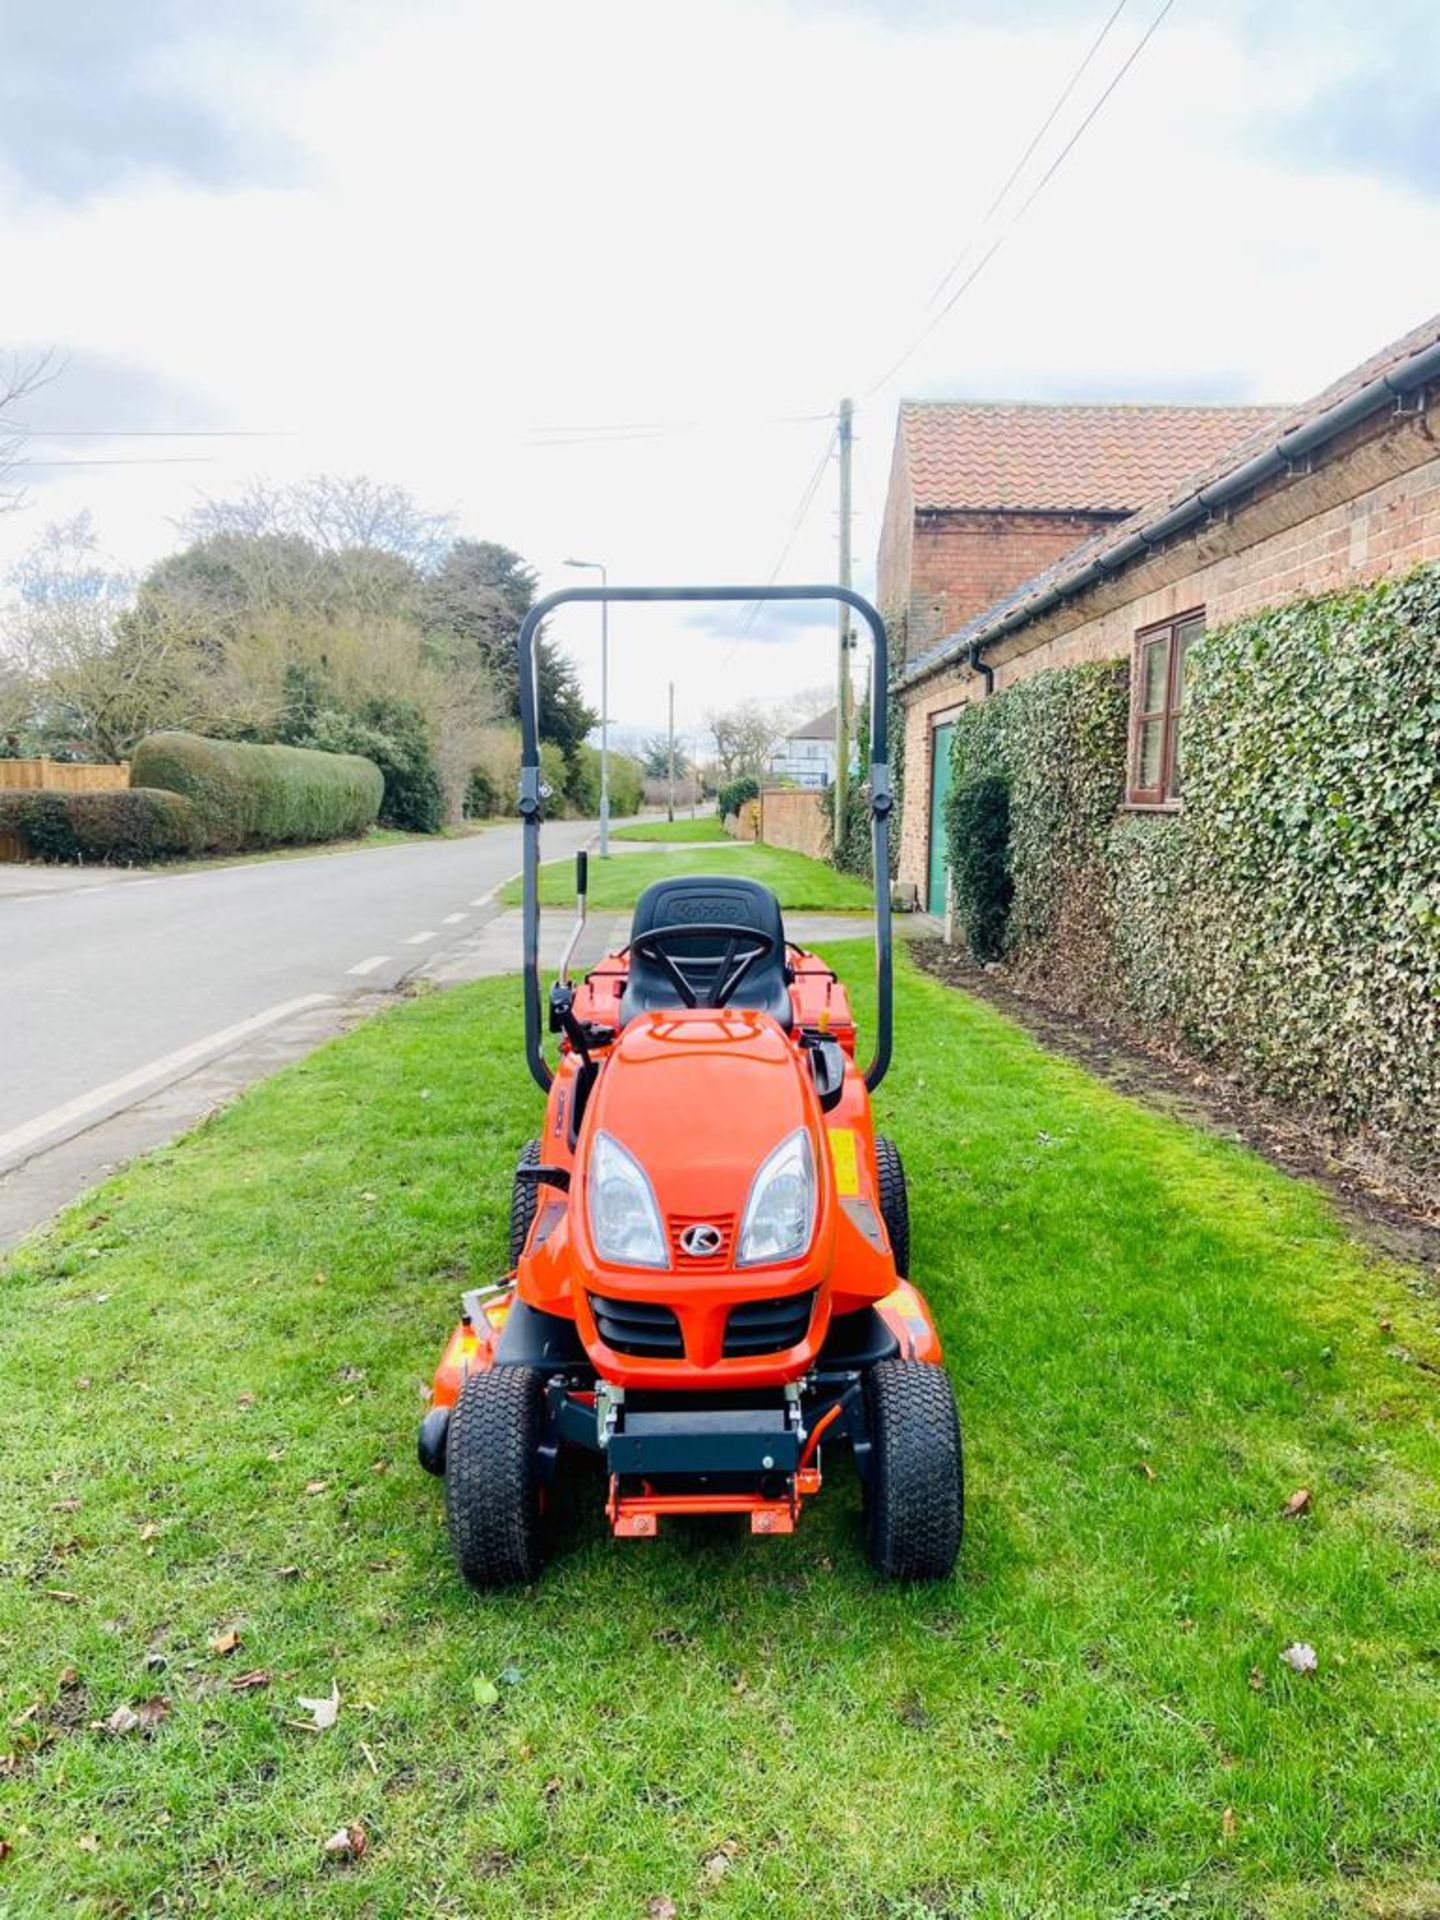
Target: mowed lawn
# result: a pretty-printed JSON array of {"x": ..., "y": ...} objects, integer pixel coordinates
[
  {"x": 210, "y": 1375},
  {"x": 800, "y": 884},
  {"x": 705, "y": 826}
]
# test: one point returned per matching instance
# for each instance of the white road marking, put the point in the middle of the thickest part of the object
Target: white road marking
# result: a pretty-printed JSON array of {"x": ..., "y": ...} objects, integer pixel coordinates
[
  {"x": 369, "y": 966},
  {"x": 454, "y": 919},
  {"x": 21, "y": 1139},
  {"x": 416, "y": 939},
  {"x": 484, "y": 899}
]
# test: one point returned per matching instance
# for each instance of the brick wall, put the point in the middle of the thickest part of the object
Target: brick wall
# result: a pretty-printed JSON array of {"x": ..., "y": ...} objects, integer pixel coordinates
[
  {"x": 794, "y": 817},
  {"x": 961, "y": 563},
  {"x": 1370, "y": 508}
]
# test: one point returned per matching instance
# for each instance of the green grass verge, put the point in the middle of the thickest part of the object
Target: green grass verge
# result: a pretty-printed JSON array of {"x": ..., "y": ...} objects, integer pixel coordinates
[
  {"x": 705, "y": 827},
  {"x": 800, "y": 884},
  {"x": 209, "y": 1380}
]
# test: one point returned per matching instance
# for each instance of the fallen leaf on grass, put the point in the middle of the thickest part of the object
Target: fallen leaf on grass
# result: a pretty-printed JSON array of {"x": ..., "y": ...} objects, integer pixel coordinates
[
  {"x": 660, "y": 1907},
  {"x": 64, "y": 1506},
  {"x": 486, "y": 1692},
  {"x": 150, "y": 1530},
  {"x": 1227, "y": 1823},
  {"x": 6, "y": 1850},
  {"x": 1298, "y": 1503},
  {"x": 349, "y": 1375},
  {"x": 718, "y": 1863},
  {"x": 1147, "y": 1469},
  {"x": 246, "y": 1400},
  {"x": 63, "y": 1595},
  {"x": 323, "y": 1713},
  {"x": 1301, "y": 1658},
  {"x": 316, "y": 1486},
  {"x": 1257, "y": 1680},
  {"x": 68, "y": 1679},
  {"x": 142, "y": 1719},
  {"x": 287, "y": 1573},
  {"x": 89, "y": 1843},
  {"x": 248, "y": 1682},
  {"x": 347, "y": 1843},
  {"x": 226, "y": 1642}
]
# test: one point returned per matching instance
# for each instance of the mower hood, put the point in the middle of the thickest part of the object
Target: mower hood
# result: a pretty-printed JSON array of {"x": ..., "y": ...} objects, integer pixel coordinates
[{"x": 699, "y": 1099}]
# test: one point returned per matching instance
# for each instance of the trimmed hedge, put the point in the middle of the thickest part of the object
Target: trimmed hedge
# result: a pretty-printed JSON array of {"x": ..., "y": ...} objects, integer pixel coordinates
[
  {"x": 1287, "y": 922},
  {"x": 130, "y": 827},
  {"x": 252, "y": 796},
  {"x": 733, "y": 795}
]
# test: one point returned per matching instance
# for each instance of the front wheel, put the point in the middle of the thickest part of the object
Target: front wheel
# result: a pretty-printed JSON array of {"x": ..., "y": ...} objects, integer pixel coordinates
[
  {"x": 524, "y": 1202},
  {"x": 894, "y": 1201},
  {"x": 915, "y": 1500},
  {"x": 492, "y": 1477}
]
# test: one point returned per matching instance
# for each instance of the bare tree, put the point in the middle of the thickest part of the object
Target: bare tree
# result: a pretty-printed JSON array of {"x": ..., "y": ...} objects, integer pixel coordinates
[
  {"x": 745, "y": 737},
  {"x": 86, "y": 673},
  {"x": 19, "y": 377},
  {"x": 334, "y": 513}
]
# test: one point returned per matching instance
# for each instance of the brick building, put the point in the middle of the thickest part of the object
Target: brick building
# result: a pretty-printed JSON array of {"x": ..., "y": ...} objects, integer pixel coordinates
[
  {"x": 985, "y": 495},
  {"x": 1343, "y": 489}
]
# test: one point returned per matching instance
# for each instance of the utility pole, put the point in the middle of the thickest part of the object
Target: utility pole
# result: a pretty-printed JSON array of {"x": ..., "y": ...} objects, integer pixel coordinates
[
  {"x": 670, "y": 812},
  {"x": 844, "y": 435}
]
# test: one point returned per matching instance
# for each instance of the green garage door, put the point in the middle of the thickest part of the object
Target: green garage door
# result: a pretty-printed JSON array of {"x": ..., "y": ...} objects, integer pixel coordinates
[{"x": 940, "y": 739}]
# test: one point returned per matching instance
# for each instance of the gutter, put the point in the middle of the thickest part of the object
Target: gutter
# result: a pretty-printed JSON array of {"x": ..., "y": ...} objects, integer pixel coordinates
[{"x": 1290, "y": 451}]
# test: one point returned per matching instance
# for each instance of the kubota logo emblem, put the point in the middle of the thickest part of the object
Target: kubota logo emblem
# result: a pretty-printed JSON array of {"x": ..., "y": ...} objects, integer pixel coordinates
[{"x": 701, "y": 1241}]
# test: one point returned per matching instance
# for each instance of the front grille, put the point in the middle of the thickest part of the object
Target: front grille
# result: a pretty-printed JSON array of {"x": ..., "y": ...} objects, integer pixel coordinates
[
  {"x": 724, "y": 1225},
  {"x": 641, "y": 1327},
  {"x": 767, "y": 1326}
]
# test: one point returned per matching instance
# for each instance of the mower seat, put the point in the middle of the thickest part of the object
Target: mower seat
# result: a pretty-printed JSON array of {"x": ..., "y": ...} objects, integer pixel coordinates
[{"x": 720, "y": 902}]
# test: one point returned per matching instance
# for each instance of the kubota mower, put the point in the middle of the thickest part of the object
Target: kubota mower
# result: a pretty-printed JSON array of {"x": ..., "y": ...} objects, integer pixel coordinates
[{"x": 709, "y": 1241}]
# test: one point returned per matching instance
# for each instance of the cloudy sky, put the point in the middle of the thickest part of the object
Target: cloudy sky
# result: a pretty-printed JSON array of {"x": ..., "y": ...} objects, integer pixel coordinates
[{"x": 593, "y": 276}]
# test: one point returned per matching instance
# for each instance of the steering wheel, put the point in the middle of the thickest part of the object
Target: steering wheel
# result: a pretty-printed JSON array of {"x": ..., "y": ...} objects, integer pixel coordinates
[{"x": 743, "y": 947}]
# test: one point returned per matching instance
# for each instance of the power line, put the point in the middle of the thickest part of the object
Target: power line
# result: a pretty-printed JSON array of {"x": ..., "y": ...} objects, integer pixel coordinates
[
  {"x": 124, "y": 460},
  {"x": 150, "y": 433},
  {"x": 1025, "y": 206},
  {"x": 1036, "y": 138},
  {"x": 812, "y": 487}
]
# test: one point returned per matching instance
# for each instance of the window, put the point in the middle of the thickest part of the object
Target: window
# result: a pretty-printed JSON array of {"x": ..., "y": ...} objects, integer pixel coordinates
[{"x": 1159, "y": 700}]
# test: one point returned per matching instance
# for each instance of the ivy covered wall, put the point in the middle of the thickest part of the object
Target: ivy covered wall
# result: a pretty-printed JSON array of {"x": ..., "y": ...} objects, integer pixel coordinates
[{"x": 1286, "y": 923}]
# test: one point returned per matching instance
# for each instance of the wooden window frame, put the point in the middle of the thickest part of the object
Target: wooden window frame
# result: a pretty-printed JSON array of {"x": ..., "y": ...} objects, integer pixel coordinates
[{"x": 1163, "y": 792}]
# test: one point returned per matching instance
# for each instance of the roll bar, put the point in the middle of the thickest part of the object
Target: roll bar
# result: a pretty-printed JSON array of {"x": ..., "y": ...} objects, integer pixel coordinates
[{"x": 532, "y": 795}]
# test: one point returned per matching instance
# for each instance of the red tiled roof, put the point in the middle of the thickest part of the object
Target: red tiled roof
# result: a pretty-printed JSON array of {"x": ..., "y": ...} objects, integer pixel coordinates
[{"x": 993, "y": 455}]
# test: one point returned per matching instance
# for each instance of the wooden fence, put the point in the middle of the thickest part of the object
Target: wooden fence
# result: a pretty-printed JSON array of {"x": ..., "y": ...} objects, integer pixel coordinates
[
  {"x": 62, "y": 776},
  {"x": 55, "y": 776}
]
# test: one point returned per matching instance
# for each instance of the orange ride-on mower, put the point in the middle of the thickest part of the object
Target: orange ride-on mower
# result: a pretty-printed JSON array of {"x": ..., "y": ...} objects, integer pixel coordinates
[{"x": 709, "y": 1240}]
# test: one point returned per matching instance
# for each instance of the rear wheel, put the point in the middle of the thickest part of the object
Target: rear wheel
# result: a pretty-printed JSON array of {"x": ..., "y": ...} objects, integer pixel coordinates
[
  {"x": 915, "y": 1501},
  {"x": 524, "y": 1201},
  {"x": 492, "y": 1477},
  {"x": 894, "y": 1201}
]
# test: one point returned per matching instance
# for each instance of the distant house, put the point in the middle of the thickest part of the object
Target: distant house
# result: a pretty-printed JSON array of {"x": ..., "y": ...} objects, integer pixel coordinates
[
  {"x": 807, "y": 756},
  {"x": 985, "y": 494}
]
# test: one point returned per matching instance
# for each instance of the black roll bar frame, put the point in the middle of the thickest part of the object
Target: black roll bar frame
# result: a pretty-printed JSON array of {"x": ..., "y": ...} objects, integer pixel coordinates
[{"x": 532, "y": 793}]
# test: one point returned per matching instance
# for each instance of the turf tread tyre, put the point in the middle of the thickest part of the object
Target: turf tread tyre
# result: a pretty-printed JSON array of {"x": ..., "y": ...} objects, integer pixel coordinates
[
  {"x": 524, "y": 1202},
  {"x": 492, "y": 1477},
  {"x": 894, "y": 1201},
  {"x": 915, "y": 1505}
]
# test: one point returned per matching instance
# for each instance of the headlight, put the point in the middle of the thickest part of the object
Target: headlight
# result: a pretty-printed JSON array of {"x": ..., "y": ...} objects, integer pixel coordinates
[
  {"x": 780, "y": 1213},
  {"x": 624, "y": 1219}
]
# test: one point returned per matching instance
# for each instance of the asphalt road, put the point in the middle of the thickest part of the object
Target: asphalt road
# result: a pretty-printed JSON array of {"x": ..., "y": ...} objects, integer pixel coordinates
[{"x": 119, "y": 987}]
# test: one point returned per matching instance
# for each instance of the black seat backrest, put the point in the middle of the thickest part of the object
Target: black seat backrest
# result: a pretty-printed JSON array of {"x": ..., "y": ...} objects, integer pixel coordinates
[{"x": 700, "y": 901}]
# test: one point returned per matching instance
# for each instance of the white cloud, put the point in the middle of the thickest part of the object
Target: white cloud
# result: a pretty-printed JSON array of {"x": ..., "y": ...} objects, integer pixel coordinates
[{"x": 512, "y": 219}]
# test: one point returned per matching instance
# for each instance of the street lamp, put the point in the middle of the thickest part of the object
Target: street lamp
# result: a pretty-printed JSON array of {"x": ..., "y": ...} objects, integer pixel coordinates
[{"x": 598, "y": 566}]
